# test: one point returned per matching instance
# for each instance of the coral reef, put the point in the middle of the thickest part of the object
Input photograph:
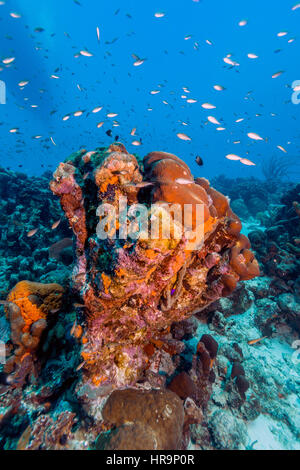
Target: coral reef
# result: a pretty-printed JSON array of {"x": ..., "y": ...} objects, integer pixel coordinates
[
  {"x": 251, "y": 197},
  {"x": 27, "y": 204},
  {"x": 256, "y": 383},
  {"x": 278, "y": 253},
  {"x": 134, "y": 289}
]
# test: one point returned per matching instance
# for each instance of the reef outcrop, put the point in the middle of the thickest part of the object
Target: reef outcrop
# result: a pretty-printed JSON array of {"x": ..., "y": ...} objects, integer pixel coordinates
[{"x": 134, "y": 287}]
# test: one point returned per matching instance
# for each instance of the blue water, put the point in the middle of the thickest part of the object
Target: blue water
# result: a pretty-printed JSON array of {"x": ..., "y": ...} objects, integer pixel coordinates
[{"x": 109, "y": 79}]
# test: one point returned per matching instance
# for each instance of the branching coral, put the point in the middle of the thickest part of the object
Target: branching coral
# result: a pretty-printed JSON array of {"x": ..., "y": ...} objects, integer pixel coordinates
[{"x": 134, "y": 288}]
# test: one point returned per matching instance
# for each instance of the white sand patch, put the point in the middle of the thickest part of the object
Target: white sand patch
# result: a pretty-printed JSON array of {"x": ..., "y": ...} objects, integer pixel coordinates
[
  {"x": 270, "y": 360},
  {"x": 269, "y": 435}
]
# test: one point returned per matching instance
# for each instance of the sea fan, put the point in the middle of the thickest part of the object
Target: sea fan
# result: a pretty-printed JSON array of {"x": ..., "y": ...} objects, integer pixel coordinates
[{"x": 277, "y": 169}]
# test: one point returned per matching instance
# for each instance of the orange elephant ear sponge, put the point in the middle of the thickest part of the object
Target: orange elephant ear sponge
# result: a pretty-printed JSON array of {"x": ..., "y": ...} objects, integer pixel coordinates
[
  {"x": 35, "y": 300},
  {"x": 174, "y": 184},
  {"x": 242, "y": 259},
  {"x": 31, "y": 304},
  {"x": 165, "y": 167}
]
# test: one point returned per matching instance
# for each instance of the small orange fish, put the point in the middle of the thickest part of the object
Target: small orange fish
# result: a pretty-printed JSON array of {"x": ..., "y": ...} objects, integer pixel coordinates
[
  {"x": 277, "y": 74},
  {"x": 139, "y": 62},
  {"x": 183, "y": 181},
  {"x": 144, "y": 184},
  {"x": 254, "y": 341},
  {"x": 32, "y": 232},
  {"x": 56, "y": 224},
  {"x": 182, "y": 136},
  {"x": 73, "y": 328},
  {"x": 78, "y": 305},
  {"x": 80, "y": 366}
]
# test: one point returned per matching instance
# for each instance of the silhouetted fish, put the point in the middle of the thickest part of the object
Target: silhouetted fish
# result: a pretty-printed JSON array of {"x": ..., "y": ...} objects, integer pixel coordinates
[{"x": 199, "y": 161}]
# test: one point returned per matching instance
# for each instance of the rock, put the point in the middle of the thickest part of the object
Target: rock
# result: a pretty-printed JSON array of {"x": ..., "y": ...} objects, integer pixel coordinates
[
  {"x": 230, "y": 352},
  {"x": 228, "y": 432},
  {"x": 219, "y": 397},
  {"x": 201, "y": 436},
  {"x": 267, "y": 309},
  {"x": 288, "y": 304},
  {"x": 185, "y": 329},
  {"x": 291, "y": 308},
  {"x": 218, "y": 322},
  {"x": 251, "y": 409}
]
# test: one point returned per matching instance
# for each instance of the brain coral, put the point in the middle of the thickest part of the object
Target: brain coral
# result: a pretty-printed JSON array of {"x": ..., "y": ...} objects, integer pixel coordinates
[
  {"x": 128, "y": 436},
  {"x": 144, "y": 419},
  {"x": 134, "y": 288}
]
